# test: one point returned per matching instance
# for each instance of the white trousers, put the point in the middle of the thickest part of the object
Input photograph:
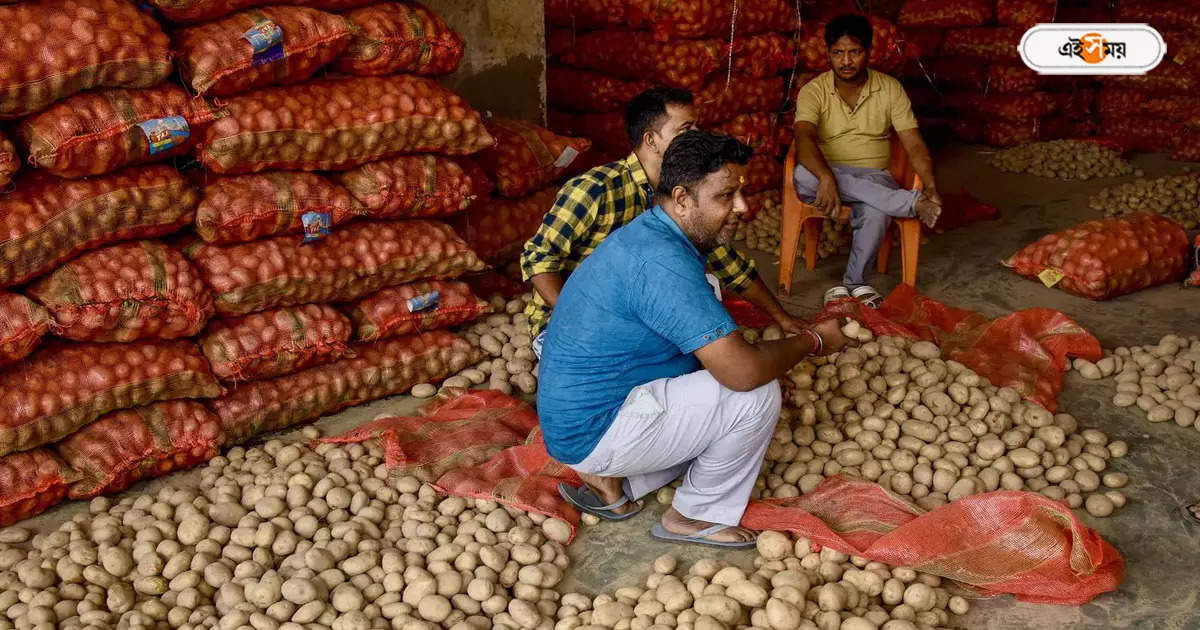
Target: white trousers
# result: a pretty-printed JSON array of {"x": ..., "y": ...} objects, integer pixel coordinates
[{"x": 690, "y": 425}]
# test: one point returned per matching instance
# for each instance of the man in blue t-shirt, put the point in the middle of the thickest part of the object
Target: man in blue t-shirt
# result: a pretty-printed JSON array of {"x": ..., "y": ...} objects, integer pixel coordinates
[{"x": 643, "y": 376}]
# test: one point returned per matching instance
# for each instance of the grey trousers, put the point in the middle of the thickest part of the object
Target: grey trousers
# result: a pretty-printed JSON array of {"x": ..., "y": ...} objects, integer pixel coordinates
[
  {"x": 874, "y": 198},
  {"x": 690, "y": 425}
]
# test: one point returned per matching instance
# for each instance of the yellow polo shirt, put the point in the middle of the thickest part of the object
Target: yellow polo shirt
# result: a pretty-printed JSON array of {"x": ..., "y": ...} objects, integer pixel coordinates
[{"x": 859, "y": 135}]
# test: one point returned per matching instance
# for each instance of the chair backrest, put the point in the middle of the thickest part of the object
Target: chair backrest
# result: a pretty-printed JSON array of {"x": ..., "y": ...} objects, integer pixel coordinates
[{"x": 899, "y": 166}]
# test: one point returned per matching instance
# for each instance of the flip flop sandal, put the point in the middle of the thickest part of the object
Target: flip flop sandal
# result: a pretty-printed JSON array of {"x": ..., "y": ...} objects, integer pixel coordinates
[
  {"x": 834, "y": 294},
  {"x": 584, "y": 500},
  {"x": 1189, "y": 515},
  {"x": 868, "y": 296},
  {"x": 700, "y": 537}
]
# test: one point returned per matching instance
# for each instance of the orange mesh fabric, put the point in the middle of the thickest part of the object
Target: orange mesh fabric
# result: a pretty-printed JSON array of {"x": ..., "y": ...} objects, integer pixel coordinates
[
  {"x": 30, "y": 483},
  {"x": 584, "y": 91},
  {"x": 22, "y": 324},
  {"x": 1026, "y": 350},
  {"x": 426, "y": 447},
  {"x": 497, "y": 230},
  {"x": 416, "y": 186},
  {"x": 400, "y": 37},
  {"x": 941, "y": 14},
  {"x": 1018, "y": 543},
  {"x": 125, "y": 447},
  {"x": 276, "y": 342},
  {"x": 388, "y": 314},
  {"x": 9, "y": 162},
  {"x": 526, "y": 156},
  {"x": 633, "y": 56},
  {"x": 243, "y": 208},
  {"x": 187, "y": 11}
]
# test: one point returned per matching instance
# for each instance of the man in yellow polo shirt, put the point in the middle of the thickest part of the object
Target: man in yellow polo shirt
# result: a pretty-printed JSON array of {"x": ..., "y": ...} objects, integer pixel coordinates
[{"x": 844, "y": 121}]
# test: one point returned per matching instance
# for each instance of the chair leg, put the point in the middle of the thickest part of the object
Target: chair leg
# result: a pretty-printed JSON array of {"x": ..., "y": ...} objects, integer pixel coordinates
[
  {"x": 789, "y": 242},
  {"x": 812, "y": 232},
  {"x": 884, "y": 253},
  {"x": 910, "y": 243}
]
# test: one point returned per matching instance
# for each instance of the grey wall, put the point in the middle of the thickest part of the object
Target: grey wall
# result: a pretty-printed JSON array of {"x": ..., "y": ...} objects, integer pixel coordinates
[{"x": 504, "y": 68}]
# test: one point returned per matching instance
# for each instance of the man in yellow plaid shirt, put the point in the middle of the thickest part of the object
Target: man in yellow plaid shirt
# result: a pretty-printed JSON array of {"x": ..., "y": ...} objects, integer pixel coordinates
[{"x": 592, "y": 205}]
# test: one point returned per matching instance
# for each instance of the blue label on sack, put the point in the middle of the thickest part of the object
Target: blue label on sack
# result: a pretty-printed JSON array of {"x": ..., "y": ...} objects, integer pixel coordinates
[
  {"x": 423, "y": 302},
  {"x": 266, "y": 39},
  {"x": 165, "y": 133},
  {"x": 316, "y": 225}
]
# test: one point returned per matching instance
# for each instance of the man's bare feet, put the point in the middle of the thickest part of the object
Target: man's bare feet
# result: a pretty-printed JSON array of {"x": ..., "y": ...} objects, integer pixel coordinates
[
  {"x": 928, "y": 211},
  {"x": 610, "y": 490},
  {"x": 677, "y": 523}
]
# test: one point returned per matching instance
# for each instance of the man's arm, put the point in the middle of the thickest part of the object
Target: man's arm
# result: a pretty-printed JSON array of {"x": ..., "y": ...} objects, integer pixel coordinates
[
  {"x": 543, "y": 258},
  {"x": 808, "y": 155},
  {"x": 743, "y": 367},
  {"x": 922, "y": 163},
  {"x": 737, "y": 273}
]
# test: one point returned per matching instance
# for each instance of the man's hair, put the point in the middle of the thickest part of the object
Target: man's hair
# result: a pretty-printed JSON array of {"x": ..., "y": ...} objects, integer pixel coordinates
[
  {"x": 693, "y": 155},
  {"x": 856, "y": 26},
  {"x": 647, "y": 110}
]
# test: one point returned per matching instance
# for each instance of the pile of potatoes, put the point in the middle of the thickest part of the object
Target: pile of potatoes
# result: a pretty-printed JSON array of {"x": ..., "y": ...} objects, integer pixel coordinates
[
  {"x": 504, "y": 336},
  {"x": 893, "y": 411},
  {"x": 1176, "y": 197},
  {"x": 284, "y": 537},
  {"x": 1063, "y": 159},
  {"x": 763, "y": 233},
  {"x": 1163, "y": 380},
  {"x": 791, "y": 588}
]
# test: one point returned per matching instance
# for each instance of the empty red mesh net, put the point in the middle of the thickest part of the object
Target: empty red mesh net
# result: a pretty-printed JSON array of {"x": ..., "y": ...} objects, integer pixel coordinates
[
  {"x": 125, "y": 292},
  {"x": 62, "y": 386},
  {"x": 526, "y": 156},
  {"x": 30, "y": 483},
  {"x": 125, "y": 447},
  {"x": 22, "y": 324},
  {"x": 416, "y": 186},
  {"x": 393, "y": 312},
  {"x": 400, "y": 37},
  {"x": 276, "y": 342}
]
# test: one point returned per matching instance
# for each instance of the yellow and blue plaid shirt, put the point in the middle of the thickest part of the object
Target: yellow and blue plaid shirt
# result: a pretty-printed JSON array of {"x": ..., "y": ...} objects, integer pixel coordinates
[{"x": 588, "y": 208}]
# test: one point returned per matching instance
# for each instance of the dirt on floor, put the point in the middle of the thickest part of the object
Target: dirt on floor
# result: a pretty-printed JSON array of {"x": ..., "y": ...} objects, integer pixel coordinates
[{"x": 962, "y": 268}]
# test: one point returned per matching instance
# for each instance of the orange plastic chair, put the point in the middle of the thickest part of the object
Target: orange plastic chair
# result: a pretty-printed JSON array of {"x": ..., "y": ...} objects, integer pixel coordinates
[{"x": 798, "y": 215}]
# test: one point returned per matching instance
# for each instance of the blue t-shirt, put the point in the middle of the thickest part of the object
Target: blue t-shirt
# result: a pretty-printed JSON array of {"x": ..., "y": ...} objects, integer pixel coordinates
[{"x": 633, "y": 312}]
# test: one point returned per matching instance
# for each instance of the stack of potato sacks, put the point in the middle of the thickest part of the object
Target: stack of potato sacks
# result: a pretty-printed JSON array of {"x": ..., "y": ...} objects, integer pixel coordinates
[
  {"x": 970, "y": 75},
  {"x": 165, "y": 351}
]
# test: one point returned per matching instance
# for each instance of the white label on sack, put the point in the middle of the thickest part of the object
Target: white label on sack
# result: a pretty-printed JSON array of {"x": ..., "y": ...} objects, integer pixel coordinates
[
  {"x": 1092, "y": 49},
  {"x": 566, "y": 157}
]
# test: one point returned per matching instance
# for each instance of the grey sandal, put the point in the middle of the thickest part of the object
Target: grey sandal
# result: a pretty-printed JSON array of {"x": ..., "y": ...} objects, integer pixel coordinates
[
  {"x": 1190, "y": 513},
  {"x": 700, "y": 537},
  {"x": 584, "y": 500},
  {"x": 868, "y": 296}
]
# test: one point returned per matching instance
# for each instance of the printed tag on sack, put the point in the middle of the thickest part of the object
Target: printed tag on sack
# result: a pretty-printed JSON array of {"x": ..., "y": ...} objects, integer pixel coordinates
[
  {"x": 266, "y": 39},
  {"x": 1051, "y": 276},
  {"x": 316, "y": 225},
  {"x": 425, "y": 302},
  {"x": 164, "y": 134},
  {"x": 566, "y": 157}
]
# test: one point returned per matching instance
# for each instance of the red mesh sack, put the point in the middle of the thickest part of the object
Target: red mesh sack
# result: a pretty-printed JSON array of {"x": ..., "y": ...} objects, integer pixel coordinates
[
  {"x": 30, "y": 483},
  {"x": 1007, "y": 133},
  {"x": 47, "y": 220},
  {"x": 762, "y": 56},
  {"x": 755, "y": 130},
  {"x": 767, "y": 16},
  {"x": 961, "y": 209},
  {"x": 400, "y": 37},
  {"x": 1115, "y": 103},
  {"x": 763, "y": 172},
  {"x": 558, "y": 41},
  {"x": 1187, "y": 147},
  {"x": 341, "y": 123},
  {"x": 128, "y": 446},
  {"x": 1077, "y": 103},
  {"x": 22, "y": 324},
  {"x": 276, "y": 342},
  {"x": 633, "y": 56},
  {"x": 190, "y": 11},
  {"x": 587, "y": 14},
  {"x": 392, "y": 312},
  {"x": 497, "y": 231},
  {"x": 354, "y": 261},
  {"x": 1025, "y": 13},
  {"x": 1144, "y": 133},
  {"x": 243, "y": 208},
  {"x": 999, "y": 78},
  {"x": 606, "y": 131},
  {"x": 9, "y": 162},
  {"x": 723, "y": 99},
  {"x": 416, "y": 186},
  {"x": 1102, "y": 259},
  {"x": 429, "y": 445},
  {"x": 1161, "y": 14},
  {"x": 942, "y": 14},
  {"x": 64, "y": 386},
  {"x": 98, "y": 132},
  {"x": 526, "y": 156},
  {"x": 584, "y": 91},
  {"x": 1168, "y": 79},
  {"x": 52, "y": 49},
  {"x": 388, "y": 367},
  {"x": 1017, "y": 543},
  {"x": 986, "y": 43},
  {"x": 260, "y": 47},
  {"x": 927, "y": 41},
  {"x": 1014, "y": 107},
  {"x": 126, "y": 292}
]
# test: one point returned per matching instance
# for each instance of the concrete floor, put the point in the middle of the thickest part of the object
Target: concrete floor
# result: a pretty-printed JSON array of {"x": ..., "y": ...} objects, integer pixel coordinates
[{"x": 962, "y": 268}]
